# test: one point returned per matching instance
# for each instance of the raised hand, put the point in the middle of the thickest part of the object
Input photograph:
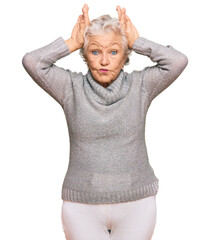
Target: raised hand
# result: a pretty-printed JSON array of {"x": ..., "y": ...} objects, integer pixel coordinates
[
  {"x": 76, "y": 40},
  {"x": 128, "y": 27}
]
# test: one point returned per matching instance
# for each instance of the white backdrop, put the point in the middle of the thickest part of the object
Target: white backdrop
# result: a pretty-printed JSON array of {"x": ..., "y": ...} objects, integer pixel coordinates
[{"x": 34, "y": 137}]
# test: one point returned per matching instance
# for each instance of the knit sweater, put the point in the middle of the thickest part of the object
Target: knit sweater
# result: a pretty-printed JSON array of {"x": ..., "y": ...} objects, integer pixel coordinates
[{"x": 108, "y": 160}]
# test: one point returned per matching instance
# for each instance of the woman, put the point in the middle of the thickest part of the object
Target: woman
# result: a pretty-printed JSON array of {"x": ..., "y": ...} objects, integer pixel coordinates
[{"x": 109, "y": 184}]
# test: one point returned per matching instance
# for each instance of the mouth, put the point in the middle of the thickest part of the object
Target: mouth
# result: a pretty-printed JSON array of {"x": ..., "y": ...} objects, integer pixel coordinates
[{"x": 104, "y": 70}]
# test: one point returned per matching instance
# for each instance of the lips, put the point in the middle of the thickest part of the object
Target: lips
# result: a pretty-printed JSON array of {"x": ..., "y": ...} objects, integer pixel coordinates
[{"x": 104, "y": 70}]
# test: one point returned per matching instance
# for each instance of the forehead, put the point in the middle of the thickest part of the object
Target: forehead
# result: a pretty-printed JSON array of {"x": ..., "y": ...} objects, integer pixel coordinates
[{"x": 105, "y": 40}]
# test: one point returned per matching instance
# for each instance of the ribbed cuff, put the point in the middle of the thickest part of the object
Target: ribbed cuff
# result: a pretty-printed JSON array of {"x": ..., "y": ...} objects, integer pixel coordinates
[
  {"x": 142, "y": 46},
  {"x": 60, "y": 47}
]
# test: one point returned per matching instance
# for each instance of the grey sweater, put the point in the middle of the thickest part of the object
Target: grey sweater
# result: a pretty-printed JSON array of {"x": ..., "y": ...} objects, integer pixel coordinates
[{"x": 108, "y": 161}]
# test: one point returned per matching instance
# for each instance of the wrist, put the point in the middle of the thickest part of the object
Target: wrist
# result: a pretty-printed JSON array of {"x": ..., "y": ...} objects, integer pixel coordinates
[
  {"x": 132, "y": 43},
  {"x": 71, "y": 44}
]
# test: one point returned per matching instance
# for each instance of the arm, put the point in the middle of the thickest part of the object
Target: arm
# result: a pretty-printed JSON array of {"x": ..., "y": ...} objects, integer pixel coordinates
[
  {"x": 170, "y": 64},
  {"x": 40, "y": 63}
]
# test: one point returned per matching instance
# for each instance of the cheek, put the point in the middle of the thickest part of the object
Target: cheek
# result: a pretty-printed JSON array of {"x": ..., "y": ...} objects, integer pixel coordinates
[
  {"x": 118, "y": 62},
  {"x": 89, "y": 60},
  {"x": 92, "y": 63}
]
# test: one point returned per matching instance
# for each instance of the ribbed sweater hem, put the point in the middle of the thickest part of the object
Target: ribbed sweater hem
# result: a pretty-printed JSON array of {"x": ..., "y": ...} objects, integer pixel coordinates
[{"x": 112, "y": 197}]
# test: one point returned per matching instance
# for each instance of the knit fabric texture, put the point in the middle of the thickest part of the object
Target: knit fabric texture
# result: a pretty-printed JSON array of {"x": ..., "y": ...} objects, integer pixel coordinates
[{"x": 108, "y": 160}]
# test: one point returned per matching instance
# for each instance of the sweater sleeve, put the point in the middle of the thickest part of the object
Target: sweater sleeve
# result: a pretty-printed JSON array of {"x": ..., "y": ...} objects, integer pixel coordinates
[
  {"x": 39, "y": 64},
  {"x": 170, "y": 64}
]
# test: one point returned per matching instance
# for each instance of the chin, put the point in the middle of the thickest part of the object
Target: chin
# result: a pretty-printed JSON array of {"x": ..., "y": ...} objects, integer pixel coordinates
[{"x": 104, "y": 79}]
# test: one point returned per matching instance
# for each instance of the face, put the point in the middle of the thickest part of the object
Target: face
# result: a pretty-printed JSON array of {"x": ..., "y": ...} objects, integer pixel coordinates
[{"x": 105, "y": 57}]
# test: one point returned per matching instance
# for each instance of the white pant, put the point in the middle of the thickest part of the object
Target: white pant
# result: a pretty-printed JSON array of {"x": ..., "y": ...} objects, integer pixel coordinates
[{"x": 134, "y": 220}]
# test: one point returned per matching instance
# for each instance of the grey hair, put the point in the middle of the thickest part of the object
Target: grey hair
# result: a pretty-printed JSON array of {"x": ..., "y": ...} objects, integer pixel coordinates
[{"x": 101, "y": 25}]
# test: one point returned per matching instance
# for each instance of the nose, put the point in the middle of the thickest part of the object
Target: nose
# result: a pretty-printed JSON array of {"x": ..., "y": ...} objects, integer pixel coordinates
[{"x": 104, "y": 59}]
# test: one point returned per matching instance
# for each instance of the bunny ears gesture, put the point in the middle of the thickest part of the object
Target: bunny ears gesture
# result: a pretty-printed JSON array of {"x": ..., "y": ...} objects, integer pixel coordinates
[
  {"x": 128, "y": 27},
  {"x": 77, "y": 37}
]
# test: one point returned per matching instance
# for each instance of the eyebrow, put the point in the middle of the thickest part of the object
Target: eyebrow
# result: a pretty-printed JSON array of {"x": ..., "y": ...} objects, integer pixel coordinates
[{"x": 110, "y": 44}]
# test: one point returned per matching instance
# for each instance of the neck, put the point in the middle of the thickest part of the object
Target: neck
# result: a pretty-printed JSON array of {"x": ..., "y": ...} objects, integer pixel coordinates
[
  {"x": 105, "y": 85},
  {"x": 110, "y": 94}
]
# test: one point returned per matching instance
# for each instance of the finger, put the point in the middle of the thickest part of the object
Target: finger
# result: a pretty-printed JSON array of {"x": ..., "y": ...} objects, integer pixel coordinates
[
  {"x": 86, "y": 6},
  {"x": 119, "y": 12},
  {"x": 76, "y": 27},
  {"x": 123, "y": 10},
  {"x": 123, "y": 16},
  {"x": 78, "y": 18},
  {"x": 132, "y": 25},
  {"x": 82, "y": 20},
  {"x": 123, "y": 13},
  {"x": 128, "y": 22},
  {"x": 78, "y": 21},
  {"x": 85, "y": 14},
  {"x": 82, "y": 24}
]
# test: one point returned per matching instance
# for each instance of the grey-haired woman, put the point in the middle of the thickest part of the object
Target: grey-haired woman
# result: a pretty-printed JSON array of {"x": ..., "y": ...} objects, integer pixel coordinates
[{"x": 109, "y": 190}]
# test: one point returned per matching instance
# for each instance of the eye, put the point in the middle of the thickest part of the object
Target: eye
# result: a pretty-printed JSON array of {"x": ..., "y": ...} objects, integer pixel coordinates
[
  {"x": 114, "y": 52},
  {"x": 95, "y": 52}
]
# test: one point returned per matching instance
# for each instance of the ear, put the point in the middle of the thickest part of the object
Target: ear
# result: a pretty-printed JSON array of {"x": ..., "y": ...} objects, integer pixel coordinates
[
  {"x": 124, "y": 59},
  {"x": 86, "y": 60}
]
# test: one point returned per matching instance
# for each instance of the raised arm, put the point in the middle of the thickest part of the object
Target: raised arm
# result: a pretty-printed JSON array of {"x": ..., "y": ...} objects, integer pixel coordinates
[
  {"x": 170, "y": 62},
  {"x": 40, "y": 63}
]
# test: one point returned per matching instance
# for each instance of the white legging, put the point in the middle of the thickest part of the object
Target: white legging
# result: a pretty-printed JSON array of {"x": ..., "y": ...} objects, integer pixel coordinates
[{"x": 134, "y": 220}]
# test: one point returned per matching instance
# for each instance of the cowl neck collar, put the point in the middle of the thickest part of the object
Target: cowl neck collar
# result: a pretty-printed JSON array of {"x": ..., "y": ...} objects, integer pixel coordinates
[{"x": 111, "y": 94}]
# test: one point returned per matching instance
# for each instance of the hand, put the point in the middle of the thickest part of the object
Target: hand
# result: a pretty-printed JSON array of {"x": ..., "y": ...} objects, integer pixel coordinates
[
  {"x": 128, "y": 27},
  {"x": 77, "y": 37}
]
